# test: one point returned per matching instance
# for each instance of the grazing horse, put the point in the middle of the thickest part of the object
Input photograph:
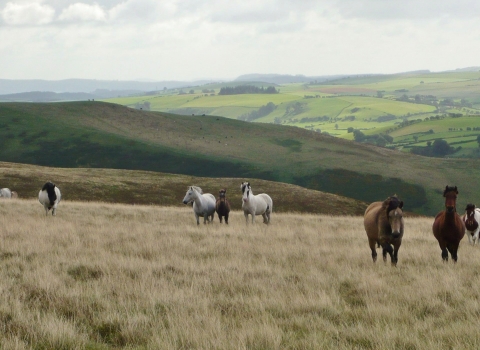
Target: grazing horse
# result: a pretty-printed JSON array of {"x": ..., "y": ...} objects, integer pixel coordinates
[
  {"x": 383, "y": 223},
  {"x": 261, "y": 204},
  {"x": 49, "y": 196},
  {"x": 5, "y": 193},
  {"x": 471, "y": 218},
  {"x": 222, "y": 206},
  {"x": 203, "y": 203},
  {"x": 448, "y": 227}
]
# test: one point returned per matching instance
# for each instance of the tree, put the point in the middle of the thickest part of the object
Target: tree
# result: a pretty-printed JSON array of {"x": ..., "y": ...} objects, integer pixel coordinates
[
  {"x": 358, "y": 135},
  {"x": 336, "y": 126}
]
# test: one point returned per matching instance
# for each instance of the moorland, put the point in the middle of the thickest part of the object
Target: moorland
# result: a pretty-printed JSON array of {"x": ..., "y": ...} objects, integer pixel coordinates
[
  {"x": 92, "y": 134},
  {"x": 110, "y": 276}
]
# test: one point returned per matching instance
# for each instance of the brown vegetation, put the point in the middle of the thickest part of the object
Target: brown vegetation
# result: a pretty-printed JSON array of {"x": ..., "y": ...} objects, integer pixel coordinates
[{"x": 101, "y": 276}]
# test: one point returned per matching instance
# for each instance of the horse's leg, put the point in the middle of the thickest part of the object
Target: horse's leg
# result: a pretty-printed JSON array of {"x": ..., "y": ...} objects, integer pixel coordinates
[
  {"x": 219, "y": 217},
  {"x": 469, "y": 235},
  {"x": 198, "y": 218},
  {"x": 453, "y": 249},
  {"x": 396, "y": 247},
  {"x": 387, "y": 248},
  {"x": 226, "y": 218},
  {"x": 265, "y": 218},
  {"x": 246, "y": 216},
  {"x": 371, "y": 243}
]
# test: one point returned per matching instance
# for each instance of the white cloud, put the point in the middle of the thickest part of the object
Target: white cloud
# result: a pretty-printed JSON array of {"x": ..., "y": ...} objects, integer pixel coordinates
[
  {"x": 27, "y": 13},
  {"x": 83, "y": 12}
]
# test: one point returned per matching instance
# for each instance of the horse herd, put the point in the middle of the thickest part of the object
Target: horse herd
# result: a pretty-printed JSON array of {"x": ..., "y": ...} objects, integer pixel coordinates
[
  {"x": 383, "y": 221},
  {"x": 205, "y": 205},
  {"x": 384, "y": 226},
  {"x": 49, "y": 196}
]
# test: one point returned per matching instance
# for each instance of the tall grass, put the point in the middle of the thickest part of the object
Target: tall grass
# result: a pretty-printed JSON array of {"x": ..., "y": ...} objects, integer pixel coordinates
[{"x": 100, "y": 276}]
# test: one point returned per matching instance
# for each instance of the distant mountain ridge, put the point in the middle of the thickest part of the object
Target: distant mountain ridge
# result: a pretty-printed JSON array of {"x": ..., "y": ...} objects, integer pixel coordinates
[{"x": 8, "y": 86}]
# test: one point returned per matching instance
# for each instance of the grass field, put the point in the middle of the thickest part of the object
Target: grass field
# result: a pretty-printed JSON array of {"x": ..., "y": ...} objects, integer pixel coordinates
[{"x": 111, "y": 276}]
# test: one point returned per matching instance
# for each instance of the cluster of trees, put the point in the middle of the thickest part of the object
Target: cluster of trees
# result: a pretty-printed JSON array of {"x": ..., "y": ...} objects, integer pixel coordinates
[
  {"x": 247, "y": 89},
  {"x": 261, "y": 112},
  {"x": 380, "y": 140},
  {"x": 295, "y": 108},
  {"x": 439, "y": 148}
]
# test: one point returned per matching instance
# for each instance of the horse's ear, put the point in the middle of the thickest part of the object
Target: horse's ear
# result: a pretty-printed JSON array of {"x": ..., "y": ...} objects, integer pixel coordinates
[
  {"x": 456, "y": 191},
  {"x": 385, "y": 203},
  {"x": 248, "y": 184},
  {"x": 400, "y": 205}
]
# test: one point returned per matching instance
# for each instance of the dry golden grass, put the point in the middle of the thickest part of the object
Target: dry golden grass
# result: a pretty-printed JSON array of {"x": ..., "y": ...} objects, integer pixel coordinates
[{"x": 100, "y": 276}]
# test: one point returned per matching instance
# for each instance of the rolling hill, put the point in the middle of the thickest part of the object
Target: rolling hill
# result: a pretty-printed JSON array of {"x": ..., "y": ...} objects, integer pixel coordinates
[{"x": 105, "y": 135}]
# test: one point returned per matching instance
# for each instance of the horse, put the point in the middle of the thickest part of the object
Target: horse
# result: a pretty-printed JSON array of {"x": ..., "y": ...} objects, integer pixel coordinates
[
  {"x": 448, "y": 227},
  {"x": 261, "y": 204},
  {"x": 222, "y": 207},
  {"x": 203, "y": 203},
  {"x": 384, "y": 226},
  {"x": 5, "y": 193},
  {"x": 471, "y": 218},
  {"x": 49, "y": 196}
]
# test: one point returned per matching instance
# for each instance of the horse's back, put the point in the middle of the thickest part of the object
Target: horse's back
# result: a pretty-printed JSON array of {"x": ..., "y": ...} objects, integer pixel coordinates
[
  {"x": 5, "y": 193},
  {"x": 370, "y": 219}
]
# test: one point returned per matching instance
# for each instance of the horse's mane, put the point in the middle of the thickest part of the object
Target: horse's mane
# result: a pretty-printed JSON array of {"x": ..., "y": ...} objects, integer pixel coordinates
[
  {"x": 450, "y": 189},
  {"x": 392, "y": 203},
  {"x": 196, "y": 188}
]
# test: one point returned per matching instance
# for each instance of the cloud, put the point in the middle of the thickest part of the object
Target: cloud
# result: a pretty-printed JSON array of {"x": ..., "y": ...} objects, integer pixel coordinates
[
  {"x": 83, "y": 12},
  {"x": 27, "y": 13}
]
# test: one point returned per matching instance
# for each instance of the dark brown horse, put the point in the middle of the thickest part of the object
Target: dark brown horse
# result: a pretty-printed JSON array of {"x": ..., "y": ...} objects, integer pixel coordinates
[
  {"x": 383, "y": 223},
  {"x": 448, "y": 227},
  {"x": 222, "y": 206}
]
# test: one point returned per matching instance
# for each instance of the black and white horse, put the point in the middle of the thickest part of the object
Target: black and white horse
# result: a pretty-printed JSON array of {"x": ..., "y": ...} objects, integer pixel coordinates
[{"x": 49, "y": 196}]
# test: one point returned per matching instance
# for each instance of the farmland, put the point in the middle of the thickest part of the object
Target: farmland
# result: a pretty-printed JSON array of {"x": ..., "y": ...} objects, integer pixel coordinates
[{"x": 373, "y": 104}]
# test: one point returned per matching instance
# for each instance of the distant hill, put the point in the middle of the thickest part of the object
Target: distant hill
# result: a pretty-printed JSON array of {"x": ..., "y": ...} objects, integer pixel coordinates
[
  {"x": 104, "y": 135},
  {"x": 8, "y": 86},
  {"x": 284, "y": 78}
]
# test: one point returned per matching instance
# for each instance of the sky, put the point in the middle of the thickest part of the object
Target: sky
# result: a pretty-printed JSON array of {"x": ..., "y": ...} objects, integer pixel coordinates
[{"x": 187, "y": 40}]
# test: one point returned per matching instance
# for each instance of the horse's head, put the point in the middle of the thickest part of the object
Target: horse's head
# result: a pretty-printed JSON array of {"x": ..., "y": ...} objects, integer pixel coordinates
[
  {"x": 469, "y": 218},
  {"x": 190, "y": 195},
  {"x": 222, "y": 194},
  {"x": 246, "y": 190},
  {"x": 50, "y": 188},
  {"x": 450, "y": 195},
  {"x": 393, "y": 209}
]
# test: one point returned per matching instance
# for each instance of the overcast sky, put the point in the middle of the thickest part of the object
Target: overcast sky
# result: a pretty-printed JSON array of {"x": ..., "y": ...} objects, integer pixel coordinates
[{"x": 222, "y": 39}]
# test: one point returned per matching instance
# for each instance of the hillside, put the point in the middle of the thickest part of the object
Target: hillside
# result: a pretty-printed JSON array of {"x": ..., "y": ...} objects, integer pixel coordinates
[
  {"x": 144, "y": 187},
  {"x": 104, "y": 135}
]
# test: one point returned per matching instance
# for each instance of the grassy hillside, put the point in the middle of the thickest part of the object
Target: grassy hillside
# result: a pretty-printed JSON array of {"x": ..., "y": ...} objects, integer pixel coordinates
[
  {"x": 104, "y": 276},
  {"x": 144, "y": 187},
  {"x": 104, "y": 135},
  {"x": 350, "y": 102}
]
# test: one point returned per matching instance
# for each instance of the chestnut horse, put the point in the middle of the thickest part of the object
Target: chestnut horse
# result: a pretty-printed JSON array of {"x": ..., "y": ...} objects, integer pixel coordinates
[
  {"x": 448, "y": 227},
  {"x": 222, "y": 206},
  {"x": 383, "y": 223}
]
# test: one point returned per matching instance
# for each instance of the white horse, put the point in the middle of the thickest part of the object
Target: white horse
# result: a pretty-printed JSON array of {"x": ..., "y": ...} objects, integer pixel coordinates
[
  {"x": 261, "y": 204},
  {"x": 49, "y": 196},
  {"x": 5, "y": 193},
  {"x": 203, "y": 203},
  {"x": 471, "y": 218}
]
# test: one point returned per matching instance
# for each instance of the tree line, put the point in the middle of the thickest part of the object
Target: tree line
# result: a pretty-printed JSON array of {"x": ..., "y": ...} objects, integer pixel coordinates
[{"x": 247, "y": 89}]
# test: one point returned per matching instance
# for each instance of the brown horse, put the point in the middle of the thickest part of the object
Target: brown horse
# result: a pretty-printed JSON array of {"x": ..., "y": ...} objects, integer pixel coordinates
[
  {"x": 222, "y": 206},
  {"x": 448, "y": 227},
  {"x": 384, "y": 226}
]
